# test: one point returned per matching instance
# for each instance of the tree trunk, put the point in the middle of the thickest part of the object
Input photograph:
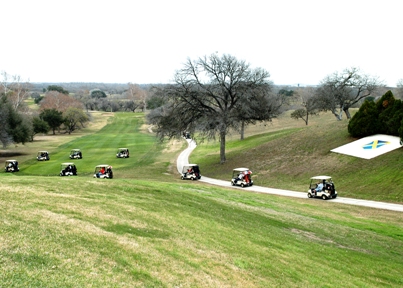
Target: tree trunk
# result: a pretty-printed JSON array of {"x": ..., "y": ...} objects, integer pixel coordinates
[
  {"x": 307, "y": 115},
  {"x": 338, "y": 115},
  {"x": 347, "y": 112},
  {"x": 242, "y": 130},
  {"x": 222, "y": 147}
]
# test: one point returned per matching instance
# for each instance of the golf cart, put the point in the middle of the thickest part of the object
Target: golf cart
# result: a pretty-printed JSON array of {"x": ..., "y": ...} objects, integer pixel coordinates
[
  {"x": 103, "y": 171},
  {"x": 190, "y": 172},
  {"x": 76, "y": 154},
  {"x": 11, "y": 166},
  {"x": 68, "y": 169},
  {"x": 43, "y": 156},
  {"x": 241, "y": 177},
  {"x": 186, "y": 135},
  {"x": 123, "y": 153},
  {"x": 322, "y": 187}
]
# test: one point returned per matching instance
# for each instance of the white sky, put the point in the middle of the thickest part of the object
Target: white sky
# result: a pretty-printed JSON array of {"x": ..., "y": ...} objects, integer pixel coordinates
[{"x": 121, "y": 41}]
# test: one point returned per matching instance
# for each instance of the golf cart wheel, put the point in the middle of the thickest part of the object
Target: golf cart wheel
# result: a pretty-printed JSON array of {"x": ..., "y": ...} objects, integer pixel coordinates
[
  {"x": 324, "y": 197},
  {"x": 242, "y": 185},
  {"x": 193, "y": 178},
  {"x": 182, "y": 177},
  {"x": 309, "y": 195}
]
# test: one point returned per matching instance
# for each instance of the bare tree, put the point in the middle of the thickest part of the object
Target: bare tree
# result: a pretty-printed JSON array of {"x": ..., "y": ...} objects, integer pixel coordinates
[
  {"x": 59, "y": 101},
  {"x": 207, "y": 96},
  {"x": 399, "y": 89},
  {"x": 16, "y": 89},
  {"x": 307, "y": 102},
  {"x": 339, "y": 91},
  {"x": 137, "y": 96}
]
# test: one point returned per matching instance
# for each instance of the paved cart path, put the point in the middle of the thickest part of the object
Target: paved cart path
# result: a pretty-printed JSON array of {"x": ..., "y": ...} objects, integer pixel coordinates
[{"x": 183, "y": 159}]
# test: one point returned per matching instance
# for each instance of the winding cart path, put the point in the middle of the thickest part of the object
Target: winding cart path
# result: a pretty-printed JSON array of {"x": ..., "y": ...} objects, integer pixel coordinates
[{"x": 183, "y": 159}]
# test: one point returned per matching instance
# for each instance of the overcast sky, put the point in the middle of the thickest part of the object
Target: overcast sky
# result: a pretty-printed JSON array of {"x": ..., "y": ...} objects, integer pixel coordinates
[{"x": 121, "y": 41}]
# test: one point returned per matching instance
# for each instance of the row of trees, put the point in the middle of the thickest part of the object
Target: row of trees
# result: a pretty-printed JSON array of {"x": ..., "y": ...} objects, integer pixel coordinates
[
  {"x": 213, "y": 95},
  {"x": 18, "y": 124},
  {"x": 337, "y": 93},
  {"x": 58, "y": 109},
  {"x": 383, "y": 116}
]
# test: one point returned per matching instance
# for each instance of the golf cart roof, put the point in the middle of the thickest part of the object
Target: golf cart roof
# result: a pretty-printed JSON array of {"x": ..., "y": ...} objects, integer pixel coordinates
[
  {"x": 42, "y": 151},
  {"x": 75, "y": 149},
  {"x": 191, "y": 165},
  {"x": 11, "y": 160},
  {"x": 241, "y": 169},
  {"x": 322, "y": 177},
  {"x": 68, "y": 163},
  {"x": 122, "y": 148},
  {"x": 102, "y": 165}
]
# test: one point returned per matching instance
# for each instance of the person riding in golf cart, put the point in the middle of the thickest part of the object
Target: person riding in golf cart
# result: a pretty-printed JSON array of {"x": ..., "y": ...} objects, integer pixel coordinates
[
  {"x": 43, "y": 156},
  {"x": 11, "y": 166},
  {"x": 323, "y": 187},
  {"x": 190, "y": 172},
  {"x": 241, "y": 177},
  {"x": 76, "y": 154},
  {"x": 103, "y": 171},
  {"x": 123, "y": 153},
  {"x": 68, "y": 169}
]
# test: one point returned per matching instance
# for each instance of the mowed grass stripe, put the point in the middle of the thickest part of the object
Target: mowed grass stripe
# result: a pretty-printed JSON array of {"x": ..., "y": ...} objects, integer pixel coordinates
[{"x": 122, "y": 130}]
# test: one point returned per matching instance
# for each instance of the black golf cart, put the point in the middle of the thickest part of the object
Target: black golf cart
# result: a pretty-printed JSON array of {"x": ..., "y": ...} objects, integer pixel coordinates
[
  {"x": 11, "y": 166},
  {"x": 68, "y": 169},
  {"x": 76, "y": 154}
]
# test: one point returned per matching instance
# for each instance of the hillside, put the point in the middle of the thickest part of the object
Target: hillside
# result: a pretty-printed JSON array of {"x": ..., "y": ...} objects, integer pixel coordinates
[
  {"x": 148, "y": 228},
  {"x": 287, "y": 153}
]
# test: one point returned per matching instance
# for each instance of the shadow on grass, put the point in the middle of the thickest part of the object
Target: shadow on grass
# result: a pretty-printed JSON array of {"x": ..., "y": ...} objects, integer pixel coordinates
[{"x": 142, "y": 232}]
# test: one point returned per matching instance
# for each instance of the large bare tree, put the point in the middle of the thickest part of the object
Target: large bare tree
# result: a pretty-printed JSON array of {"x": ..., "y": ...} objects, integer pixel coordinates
[
  {"x": 339, "y": 91},
  {"x": 212, "y": 95}
]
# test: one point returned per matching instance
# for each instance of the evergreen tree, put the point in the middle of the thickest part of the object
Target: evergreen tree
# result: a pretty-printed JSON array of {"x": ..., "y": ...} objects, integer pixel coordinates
[{"x": 365, "y": 121}]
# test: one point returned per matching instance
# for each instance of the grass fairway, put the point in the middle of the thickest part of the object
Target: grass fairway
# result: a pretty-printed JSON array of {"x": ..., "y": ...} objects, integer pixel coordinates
[{"x": 147, "y": 228}]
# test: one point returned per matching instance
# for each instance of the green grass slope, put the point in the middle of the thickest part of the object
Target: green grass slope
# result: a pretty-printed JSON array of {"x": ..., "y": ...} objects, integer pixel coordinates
[
  {"x": 148, "y": 228},
  {"x": 84, "y": 232}
]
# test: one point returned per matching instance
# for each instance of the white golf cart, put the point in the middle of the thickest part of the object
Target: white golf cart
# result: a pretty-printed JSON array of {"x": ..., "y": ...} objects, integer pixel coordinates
[
  {"x": 322, "y": 187},
  {"x": 103, "y": 171},
  {"x": 191, "y": 172},
  {"x": 123, "y": 153},
  {"x": 43, "y": 156},
  {"x": 241, "y": 177},
  {"x": 68, "y": 169},
  {"x": 76, "y": 154},
  {"x": 11, "y": 166}
]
